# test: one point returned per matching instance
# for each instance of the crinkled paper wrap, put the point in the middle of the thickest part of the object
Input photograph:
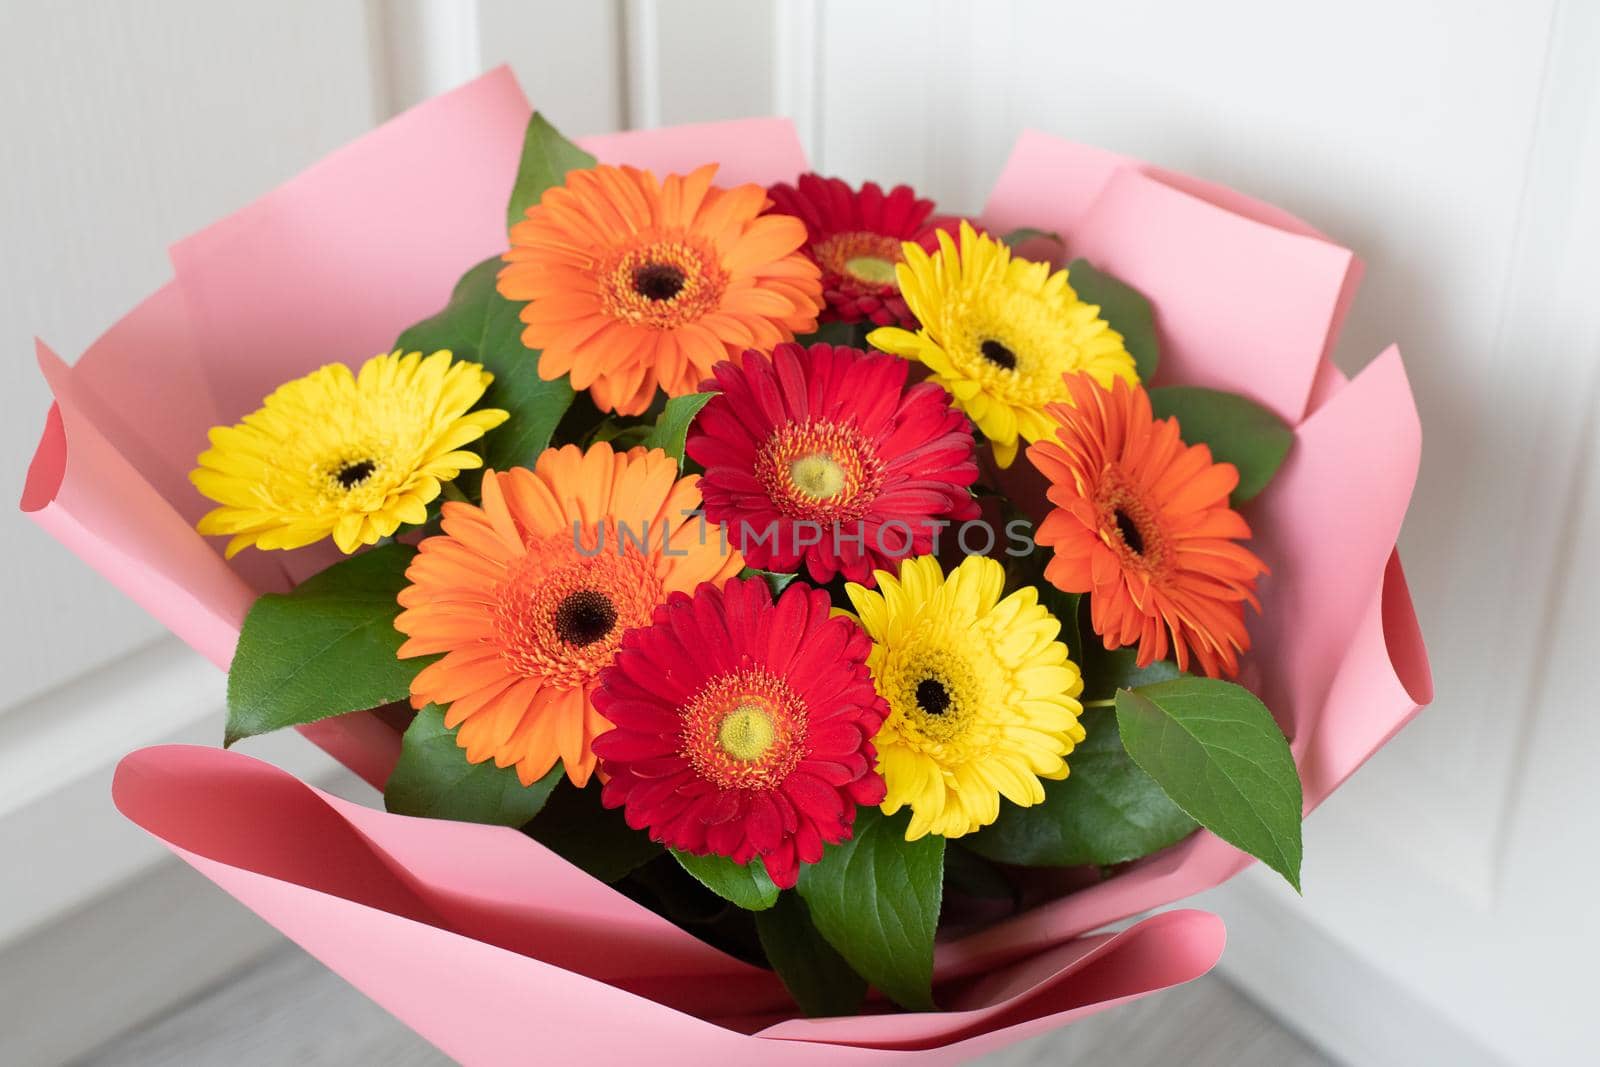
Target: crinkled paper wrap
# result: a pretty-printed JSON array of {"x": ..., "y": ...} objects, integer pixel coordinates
[{"x": 479, "y": 938}]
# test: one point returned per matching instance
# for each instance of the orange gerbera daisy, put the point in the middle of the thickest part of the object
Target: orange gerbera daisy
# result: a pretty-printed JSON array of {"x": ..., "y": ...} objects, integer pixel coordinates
[
  {"x": 528, "y": 597},
  {"x": 634, "y": 282},
  {"x": 1142, "y": 524}
]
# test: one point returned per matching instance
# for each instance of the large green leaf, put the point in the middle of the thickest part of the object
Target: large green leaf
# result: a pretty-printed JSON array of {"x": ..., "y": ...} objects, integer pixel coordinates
[
  {"x": 599, "y": 840},
  {"x": 326, "y": 648},
  {"x": 875, "y": 898},
  {"x": 1216, "y": 751},
  {"x": 547, "y": 158},
  {"x": 818, "y": 978},
  {"x": 434, "y": 779},
  {"x": 1238, "y": 431},
  {"x": 672, "y": 428},
  {"x": 1105, "y": 811},
  {"x": 1125, "y": 308},
  {"x": 482, "y": 326},
  {"x": 746, "y": 885}
]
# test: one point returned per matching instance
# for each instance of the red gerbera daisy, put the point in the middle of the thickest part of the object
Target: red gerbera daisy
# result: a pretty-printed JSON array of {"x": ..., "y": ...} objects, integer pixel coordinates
[
  {"x": 824, "y": 455},
  {"x": 742, "y": 727},
  {"x": 855, "y": 237}
]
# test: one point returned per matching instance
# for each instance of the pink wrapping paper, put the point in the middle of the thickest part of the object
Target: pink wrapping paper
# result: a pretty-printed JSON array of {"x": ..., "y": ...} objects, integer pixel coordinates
[{"x": 477, "y": 937}]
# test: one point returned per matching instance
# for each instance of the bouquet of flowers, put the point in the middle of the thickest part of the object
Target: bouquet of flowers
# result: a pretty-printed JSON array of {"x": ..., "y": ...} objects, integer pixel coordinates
[{"x": 773, "y": 612}]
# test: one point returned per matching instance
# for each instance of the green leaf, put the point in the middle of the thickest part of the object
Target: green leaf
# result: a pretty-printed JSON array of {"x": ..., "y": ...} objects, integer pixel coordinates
[
  {"x": 1125, "y": 308},
  {"x": 599, "y": 840},
  {"x": 876, "y": 898},
  {"x": 434, "y": 779},
  {"x": 1105, "y": 811},
  {"x": 746, "y": 885},
  {"x": 326, "y": 648},
  {"x": 1219, "y": 755},
  {"x": 482, "y": 326},
  {"x": 775, "y": 582},
  {"x": 1239, "y": 431},
  {"x": 818, "y": 978},
  {"x": 547, "y": 159},
  {"x": 1023, "y": 234},
  {"x": 672, "y": 428}
]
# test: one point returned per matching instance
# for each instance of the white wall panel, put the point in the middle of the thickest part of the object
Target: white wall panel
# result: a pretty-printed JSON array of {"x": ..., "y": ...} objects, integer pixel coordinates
[
  {"x": 568, "y": 57},
  {"x": 127, "y": 125},
  {"x": 699, "y": 60}
]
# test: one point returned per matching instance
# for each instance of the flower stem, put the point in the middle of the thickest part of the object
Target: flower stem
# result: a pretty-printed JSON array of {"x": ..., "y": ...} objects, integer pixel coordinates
[{"x": 1108, "y": 702}]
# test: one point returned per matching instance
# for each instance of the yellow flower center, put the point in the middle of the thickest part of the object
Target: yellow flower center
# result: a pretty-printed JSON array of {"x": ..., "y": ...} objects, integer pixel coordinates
[
  {"x": 867, "y": 258},
  {"x": 820, "y": 471},
  {"x": 744, "y": 729},
  {"x": 746, "y": 733},
  {"x": 874, "y": 269},
  {"x": 817, "y": 475}
]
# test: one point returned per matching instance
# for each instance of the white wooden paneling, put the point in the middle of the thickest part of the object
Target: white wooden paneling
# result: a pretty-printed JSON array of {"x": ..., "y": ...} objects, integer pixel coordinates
[
  {"x": 568, "y": 57},
  {"x": 127, "y": 125}
]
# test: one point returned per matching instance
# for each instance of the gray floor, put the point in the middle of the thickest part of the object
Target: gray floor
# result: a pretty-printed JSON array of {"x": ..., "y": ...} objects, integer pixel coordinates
[{"x": 290, "y": 1010}]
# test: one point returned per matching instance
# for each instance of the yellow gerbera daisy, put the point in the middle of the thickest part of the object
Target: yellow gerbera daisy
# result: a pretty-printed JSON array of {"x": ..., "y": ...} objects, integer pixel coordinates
[
  {"x": 1000, "y": 334},
  {"x": 347, "y": 455},
  {"x": 982, "y": 698}
]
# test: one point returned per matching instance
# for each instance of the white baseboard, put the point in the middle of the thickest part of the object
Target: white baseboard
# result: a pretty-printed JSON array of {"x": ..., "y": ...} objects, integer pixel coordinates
[{"x": 1332, "y": 995}]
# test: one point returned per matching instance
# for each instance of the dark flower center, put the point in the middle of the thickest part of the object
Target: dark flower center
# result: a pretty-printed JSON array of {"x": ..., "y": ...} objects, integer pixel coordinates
[
  {"x": 1130, "y": 533},
  {"x": 658, "y": 281},
  {"x": 584, "y": 617},
  {"x": 999, "y": 355},
  {"x": 353, "y": 474},
  {"x": 932, "y": 697}
]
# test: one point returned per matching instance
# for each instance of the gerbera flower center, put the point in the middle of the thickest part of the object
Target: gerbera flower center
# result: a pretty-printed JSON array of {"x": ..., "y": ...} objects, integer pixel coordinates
[
  {"x": 353, "y": 474},
  {"x": 744, "y": 729},
  {"x": 998, "y": 354},
  {"x": 560, "y": 616},
  {"x": 1129, "y": 532},
  {"x": 868, "y": 258},
  {"x": 746, "y": 732},
  {"x": 658, "y": 281},
  {"x": 873, "y": 269},
  {"x": 936, "y": 690},
  {"x": 932, "y": 696},
  {"x": 818, "y": 476},
  {"x": 357, "y": 475},
  {"x": 1128, "y": 525},
  {"x": 820, "y": 471},
  {"x": 662, "y": 281},
  {"x": 584, "y": 616}
]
